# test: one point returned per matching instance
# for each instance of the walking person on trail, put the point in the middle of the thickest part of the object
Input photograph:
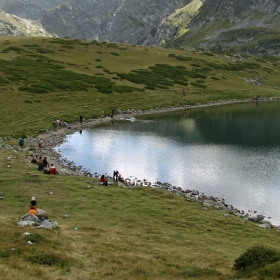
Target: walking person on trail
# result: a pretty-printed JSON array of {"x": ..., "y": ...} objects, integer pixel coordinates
[{"x": 21, "y": 142}]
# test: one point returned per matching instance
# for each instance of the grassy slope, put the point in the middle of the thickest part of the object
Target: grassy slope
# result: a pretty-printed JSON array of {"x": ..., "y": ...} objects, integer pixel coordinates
[
  {"x": 25, "y": 113},
  {"x": 123, "y": 233}
]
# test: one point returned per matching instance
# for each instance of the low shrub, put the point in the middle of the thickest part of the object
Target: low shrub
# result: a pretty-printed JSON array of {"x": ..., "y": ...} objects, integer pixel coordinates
[
  {"x": 271, "y": 270},
  {"x": 199, "y": 85},
  {"x": 255, "y": 258},
  {"x": 41, "y": 50},
  {"x": 195, "y": 65},
  {"x": 48, "y": 259},
  {"x": 35, "y": 238},
  {"x": 15, "y": 49},
  {"x": 150, "y": 87}
]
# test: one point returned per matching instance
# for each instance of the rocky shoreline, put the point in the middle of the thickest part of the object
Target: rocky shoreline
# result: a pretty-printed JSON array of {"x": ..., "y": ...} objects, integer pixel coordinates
[{"x": 52, "y": 138}]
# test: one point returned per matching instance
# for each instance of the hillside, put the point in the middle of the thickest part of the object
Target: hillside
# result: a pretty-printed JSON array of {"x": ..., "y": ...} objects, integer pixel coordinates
[
  {"x": 235, "y": 26},
  {"x": 115, "y": 232},
  {"x": 64, "y": 77}
]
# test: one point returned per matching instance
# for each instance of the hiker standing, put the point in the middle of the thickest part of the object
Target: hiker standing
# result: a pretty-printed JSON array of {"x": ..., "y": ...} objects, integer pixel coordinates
[{"x": 21, "y": 142}]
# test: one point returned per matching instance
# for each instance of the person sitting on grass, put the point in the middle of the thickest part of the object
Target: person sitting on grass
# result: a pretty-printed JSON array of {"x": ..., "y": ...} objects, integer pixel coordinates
[
  {"x": 120, "y": 178},
  {"x": 63, "y": 171},
  {"x": 32, "y": 211},
  {"x": 55, "y": 124},
  {"x": 103, "y": 181},
  {"x": 67, "y": 125},
  {"x": 34, "y": 160},
  {"x": 41, "y": 166},
  {"x": 39, "y": 160},
  {"x": 45, "y": 162},
  {"x": 53, "y": 170}
]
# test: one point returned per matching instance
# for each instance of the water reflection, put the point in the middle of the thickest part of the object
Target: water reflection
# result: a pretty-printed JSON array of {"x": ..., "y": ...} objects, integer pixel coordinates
[{"x": 227, "y": 151}]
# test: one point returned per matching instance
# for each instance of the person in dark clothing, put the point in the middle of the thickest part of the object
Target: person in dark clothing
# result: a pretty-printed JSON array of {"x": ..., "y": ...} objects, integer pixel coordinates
[
  {"x": 41, "y": 166},
  {"x": 34, "y": 160},
  {"x": 81, "y": 118},
  {"x": 45, "y": 162},
  {"x": 115, "y": 175},
  {"x": 21, "y": 142},
  {"x": 54, "y": 124},
  {"x": 33, "y": 202}
]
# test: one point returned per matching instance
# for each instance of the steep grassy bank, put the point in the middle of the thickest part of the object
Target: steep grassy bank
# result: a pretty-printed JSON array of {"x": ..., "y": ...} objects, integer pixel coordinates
[{"x": 122, "y": 233}]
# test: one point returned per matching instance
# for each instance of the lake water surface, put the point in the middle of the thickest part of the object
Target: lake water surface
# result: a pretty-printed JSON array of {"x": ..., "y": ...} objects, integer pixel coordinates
[{"x": 230, "y": 151}]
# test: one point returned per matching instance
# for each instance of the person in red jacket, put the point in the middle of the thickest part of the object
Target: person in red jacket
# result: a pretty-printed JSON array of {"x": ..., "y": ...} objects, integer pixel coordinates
[
  {"x": 103, "y": 181},
  {"x": 53, "y": 170}
]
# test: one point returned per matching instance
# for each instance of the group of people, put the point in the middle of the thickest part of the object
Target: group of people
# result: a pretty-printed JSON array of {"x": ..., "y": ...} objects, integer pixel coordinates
[
  {"x": 60, "y": 123},
  {"x": 116, "y": 177},
  {"x": 43, "y": 165}
]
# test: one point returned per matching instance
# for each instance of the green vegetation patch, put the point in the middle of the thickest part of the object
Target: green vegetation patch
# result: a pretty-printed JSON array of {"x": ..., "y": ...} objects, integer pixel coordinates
[
  {"x": 161, "y": 76},
  {"x": 42, "y": 75},
  {"x": 14, "y": 49},
  {"x": 49, "y": 259},
  {"x": 63, "y": 41},
  {"x": 255, "y": 259},
  {"x": 199, "y": 85}
]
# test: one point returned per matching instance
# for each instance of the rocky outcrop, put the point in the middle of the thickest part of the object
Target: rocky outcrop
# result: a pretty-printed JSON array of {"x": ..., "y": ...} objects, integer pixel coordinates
[
  {"x": 118, "y": 21},
  {"x": 29, "y": 9},
  {"x": 241, "y": 26},
  {"x": 11, "y": 25}
]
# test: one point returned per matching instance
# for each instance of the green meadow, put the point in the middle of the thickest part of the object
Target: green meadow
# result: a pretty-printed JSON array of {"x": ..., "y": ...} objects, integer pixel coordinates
[
  {"x": 114, "y": 232},
  {"x": 44, "y": 78}
]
